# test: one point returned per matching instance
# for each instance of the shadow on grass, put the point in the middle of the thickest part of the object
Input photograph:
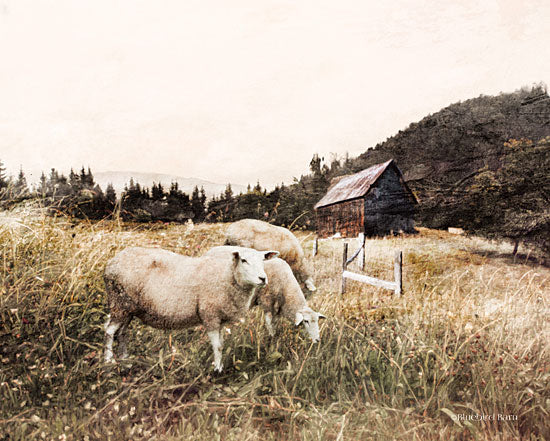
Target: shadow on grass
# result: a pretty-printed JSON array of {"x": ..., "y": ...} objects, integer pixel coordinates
[{"x": 511, "y": 259}]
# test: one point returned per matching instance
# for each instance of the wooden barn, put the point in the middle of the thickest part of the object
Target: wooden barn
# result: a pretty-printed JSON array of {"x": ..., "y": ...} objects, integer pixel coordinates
[{"x": 375, "y": 201}]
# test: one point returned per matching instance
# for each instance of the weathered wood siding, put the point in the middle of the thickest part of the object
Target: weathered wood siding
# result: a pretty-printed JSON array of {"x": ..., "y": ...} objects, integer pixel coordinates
[
  {"x": 389, "y": 206},
  {"x": 378, "y": 203},
  {"x": 345, "y": 218}
]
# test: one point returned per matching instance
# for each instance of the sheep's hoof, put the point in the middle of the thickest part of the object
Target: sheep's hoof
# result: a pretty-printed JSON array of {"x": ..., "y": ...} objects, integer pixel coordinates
[{"x": 108, "y": 357}]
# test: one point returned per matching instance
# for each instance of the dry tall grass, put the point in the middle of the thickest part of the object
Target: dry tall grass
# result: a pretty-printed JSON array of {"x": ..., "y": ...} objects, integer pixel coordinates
[{"x": 468, "y": 341}]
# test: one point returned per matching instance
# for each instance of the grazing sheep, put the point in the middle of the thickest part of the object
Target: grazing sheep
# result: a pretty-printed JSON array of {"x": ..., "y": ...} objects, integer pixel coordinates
[
  {"x": 262, "y": 236},
  {"x": 281, "y": 297},
  {"x": 170, "y": 291}
]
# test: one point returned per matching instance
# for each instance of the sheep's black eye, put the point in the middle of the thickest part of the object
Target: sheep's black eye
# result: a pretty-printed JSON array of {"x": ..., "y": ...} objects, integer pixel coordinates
[{"x": 244, "y": 261}]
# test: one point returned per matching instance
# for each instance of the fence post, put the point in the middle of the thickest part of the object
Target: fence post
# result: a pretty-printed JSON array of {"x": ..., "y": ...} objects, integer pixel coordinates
[
  {"x": 344, "y": 267},
  {"x": 363, "y": 254},
  {"x": 315, "y": 246},
  {"x": 398, "y": 273}
]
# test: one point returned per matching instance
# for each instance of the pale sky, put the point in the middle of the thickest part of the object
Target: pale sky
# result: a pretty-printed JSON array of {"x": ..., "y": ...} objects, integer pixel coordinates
[{"x": 241, "y": 90}]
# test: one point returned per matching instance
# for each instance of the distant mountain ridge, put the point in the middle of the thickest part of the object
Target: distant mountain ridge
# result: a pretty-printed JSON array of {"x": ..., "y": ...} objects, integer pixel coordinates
[{"x": 121, "y": 178}]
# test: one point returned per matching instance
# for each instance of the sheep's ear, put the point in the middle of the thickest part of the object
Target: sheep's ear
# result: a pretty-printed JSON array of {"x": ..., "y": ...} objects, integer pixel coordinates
[
  {"x": 321, "y": 315},
  {"x": 270, "y": 255},
  {"x": 299, "y": 318}
]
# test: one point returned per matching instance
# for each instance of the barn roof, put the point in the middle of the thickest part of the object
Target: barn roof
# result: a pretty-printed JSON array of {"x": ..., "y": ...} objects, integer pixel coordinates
[{"x": 353, "y": 186}]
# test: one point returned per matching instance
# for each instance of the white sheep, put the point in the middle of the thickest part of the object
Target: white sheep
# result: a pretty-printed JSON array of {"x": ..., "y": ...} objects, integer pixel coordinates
[
  {"x": 262, "y": 236},
  {"x": 282, "y": 296},
  {"x": 170, "y": 291}
]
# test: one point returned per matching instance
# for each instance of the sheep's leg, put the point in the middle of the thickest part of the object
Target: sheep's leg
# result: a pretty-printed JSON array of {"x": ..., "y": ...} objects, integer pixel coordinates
[
  {"x": 269, "y": 323},
  {"x": 251, "y": 299},
  {"x": 217, "y": 348},
  {"x": 222, "y": 330},
  {"x": 122, "y": 338},
  {"x": 111, "y": 327}
]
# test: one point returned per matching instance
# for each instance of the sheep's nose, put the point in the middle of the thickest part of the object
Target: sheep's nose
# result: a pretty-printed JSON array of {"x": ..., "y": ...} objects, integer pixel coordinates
[{"x": 262, "y": 279}]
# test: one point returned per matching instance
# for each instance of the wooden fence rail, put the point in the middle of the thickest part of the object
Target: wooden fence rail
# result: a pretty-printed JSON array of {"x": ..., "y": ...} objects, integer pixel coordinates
[{"x": 396, "y": 286}]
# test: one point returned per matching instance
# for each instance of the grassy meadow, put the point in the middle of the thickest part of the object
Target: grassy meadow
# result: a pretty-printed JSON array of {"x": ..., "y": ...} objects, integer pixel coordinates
[{"x": 463, "y": 354}]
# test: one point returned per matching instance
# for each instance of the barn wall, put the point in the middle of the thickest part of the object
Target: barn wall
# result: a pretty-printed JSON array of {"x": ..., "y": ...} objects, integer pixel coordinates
[
  {"x": 345, "y": 218},
  {"x": 389, "y": 207}
]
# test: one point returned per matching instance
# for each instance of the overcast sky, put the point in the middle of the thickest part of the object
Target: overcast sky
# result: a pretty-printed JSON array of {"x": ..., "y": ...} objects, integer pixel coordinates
[{"x": 236, "y": 91}]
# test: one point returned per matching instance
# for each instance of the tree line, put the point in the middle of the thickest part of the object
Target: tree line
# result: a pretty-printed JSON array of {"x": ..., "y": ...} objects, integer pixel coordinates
[
  {"x": 76, "y": 195},
  {"x": 80, "y": 196},
  {"x": 510, "y": 201}
]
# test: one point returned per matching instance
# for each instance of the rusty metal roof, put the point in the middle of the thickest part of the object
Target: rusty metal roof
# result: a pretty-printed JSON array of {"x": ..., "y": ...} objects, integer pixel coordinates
[{"x": 353, "y": 186}]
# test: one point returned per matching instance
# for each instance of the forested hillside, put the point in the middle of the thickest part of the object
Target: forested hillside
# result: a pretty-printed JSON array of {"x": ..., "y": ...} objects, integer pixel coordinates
[
  {"x": 481, "y": 164},
  {"x": 447, "y": 149}
]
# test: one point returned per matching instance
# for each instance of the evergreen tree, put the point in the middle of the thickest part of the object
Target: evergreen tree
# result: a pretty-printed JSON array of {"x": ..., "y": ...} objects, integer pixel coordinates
[
  {"x": 90, "y": 179},
  {"x": 51, "y": 185},
  {"x": 203, "y": 199},
  {"x": 157, "y": 192},
  {"x": 97, "y": 209},
  {"x": 174, "y": 189},
  {"x": 228, "y": 193},
  {"x": 43, "y": 185},
  {"x": 74, "y": 181},
  {"x": 21, "y": 188},
  {"x": 62, "y": 186},
  {"x": 110, "y": 197},
  {"x": 3, "y": 177},
  {"x": 178, "y": 204},
  {"x": 226, "y": 204},
  {"x": 257, "y": 188},
  {"x": 197, "y": 205},
  {"x": 212, "y": 209},
  {"x": 132, "y": 198},
  {"x": 315, "y": 165},
  {"x": 83, "y": 178}
]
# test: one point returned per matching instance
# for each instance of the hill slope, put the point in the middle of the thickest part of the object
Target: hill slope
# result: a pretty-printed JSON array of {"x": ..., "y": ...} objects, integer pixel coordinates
[{"x": 442, "y": 153}]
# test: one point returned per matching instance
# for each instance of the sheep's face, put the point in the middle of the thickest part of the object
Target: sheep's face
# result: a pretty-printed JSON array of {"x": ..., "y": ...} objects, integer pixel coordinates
[
  {"x": 249, "y": 267},
  {"x": 310, "y": 319}
]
